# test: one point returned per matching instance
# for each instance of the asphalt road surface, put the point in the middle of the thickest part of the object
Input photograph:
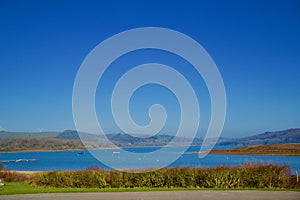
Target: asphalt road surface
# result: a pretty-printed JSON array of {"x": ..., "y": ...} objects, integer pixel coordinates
[{"x": 165, "y": 195}]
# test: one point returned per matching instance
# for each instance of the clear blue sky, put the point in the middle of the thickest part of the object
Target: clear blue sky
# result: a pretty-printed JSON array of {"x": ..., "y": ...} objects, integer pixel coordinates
[{"x": 255, "y": 44}]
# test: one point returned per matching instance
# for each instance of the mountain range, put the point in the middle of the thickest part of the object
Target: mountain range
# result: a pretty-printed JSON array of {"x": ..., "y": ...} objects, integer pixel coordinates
[
  {"x": 276, "y": 137},
  {"x": 10, "y": 141}
]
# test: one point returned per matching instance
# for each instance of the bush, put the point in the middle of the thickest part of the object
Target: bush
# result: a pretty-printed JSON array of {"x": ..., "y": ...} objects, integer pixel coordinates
[
  {"x": 10, "y": 176},
  {"x": 72, "y": 179},
  {"x": 249, "y": 176}
]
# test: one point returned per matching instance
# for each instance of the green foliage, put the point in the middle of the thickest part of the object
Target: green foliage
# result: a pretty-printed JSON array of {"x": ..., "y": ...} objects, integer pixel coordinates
[
  {"x": 224, "y": 178},
  {"x": 250, "y": 176},
  {"x": 72, "y": 179}
]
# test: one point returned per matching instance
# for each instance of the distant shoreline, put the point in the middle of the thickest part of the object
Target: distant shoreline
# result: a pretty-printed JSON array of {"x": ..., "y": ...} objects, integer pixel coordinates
[
  {"x": 260, "y": 150},
  {"x": 267, "y": 150},
  {"x": 100, "y": 148},
  {"x": 53, "y": 150}
]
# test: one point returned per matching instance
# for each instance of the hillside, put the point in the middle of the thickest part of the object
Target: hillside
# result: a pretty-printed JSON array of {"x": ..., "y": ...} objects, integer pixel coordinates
[
  {"x": 272, "y": 150},
  {"x": 6, "y": 134},
  {"x": 69, "y": 139},
  {"x": 38, "y": 144},
  {"x": 74, "y": 135},
  {"x": 125, "y": 140},
  {"x": 277, "y": 137},
  {"x": 157, "y": 140}
]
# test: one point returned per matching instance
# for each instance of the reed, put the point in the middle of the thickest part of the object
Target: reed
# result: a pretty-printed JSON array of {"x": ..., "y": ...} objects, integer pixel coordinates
[
  {"x": 248, "y": 176},
  {"x": 11, "y": 176}
]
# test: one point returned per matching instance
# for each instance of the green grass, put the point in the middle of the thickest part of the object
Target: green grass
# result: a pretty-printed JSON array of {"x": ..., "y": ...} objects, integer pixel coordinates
[{"x": 23, "y": 188}]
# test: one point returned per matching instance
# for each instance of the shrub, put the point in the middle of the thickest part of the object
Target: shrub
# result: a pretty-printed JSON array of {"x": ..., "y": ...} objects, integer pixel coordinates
[
  {"x": 10, "y": 176},
  {"x": 72, "y": 179},
  {"x": 249, "y": 176}
]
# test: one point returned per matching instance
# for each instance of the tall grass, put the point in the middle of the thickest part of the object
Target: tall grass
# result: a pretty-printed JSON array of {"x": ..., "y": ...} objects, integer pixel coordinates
[
  {"x": 248, "y": 176},
  {"x": 72, "y": 179},
  {"x": 11, "y": 176}
]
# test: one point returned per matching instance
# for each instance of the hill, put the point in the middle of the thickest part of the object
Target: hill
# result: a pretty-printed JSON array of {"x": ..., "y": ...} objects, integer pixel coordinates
[
  {"x": 70, "y": 139},
  {"x": 6, "y": 134},
  {"x": 277, "y": 137},
  {"x": 125, "y": 140},
  {"x": 38, "y": 144},
  {"x": 75, "y": 135}
]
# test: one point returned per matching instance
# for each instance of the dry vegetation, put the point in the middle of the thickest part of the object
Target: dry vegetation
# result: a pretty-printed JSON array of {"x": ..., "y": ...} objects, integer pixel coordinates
[
  {"x": 276, "y": 149},
  {"x": 249, "y": 176}
]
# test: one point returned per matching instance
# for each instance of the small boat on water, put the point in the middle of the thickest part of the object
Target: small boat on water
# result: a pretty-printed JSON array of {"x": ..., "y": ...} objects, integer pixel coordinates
[{"x": 19, "y": 160}]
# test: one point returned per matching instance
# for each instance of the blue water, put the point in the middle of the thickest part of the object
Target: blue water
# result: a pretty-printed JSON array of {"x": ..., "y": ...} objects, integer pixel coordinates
[{"x": 80, "y": 160}]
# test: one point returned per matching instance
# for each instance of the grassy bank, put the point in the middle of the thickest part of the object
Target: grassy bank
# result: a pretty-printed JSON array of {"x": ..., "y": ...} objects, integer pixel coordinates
[
  {"x": 249, "y": 176},
  {"x": 25, "y": 188}
]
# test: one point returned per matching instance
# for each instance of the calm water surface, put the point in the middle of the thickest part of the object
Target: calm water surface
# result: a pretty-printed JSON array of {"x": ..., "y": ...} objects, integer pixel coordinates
[{"x": 80, "y": 160}]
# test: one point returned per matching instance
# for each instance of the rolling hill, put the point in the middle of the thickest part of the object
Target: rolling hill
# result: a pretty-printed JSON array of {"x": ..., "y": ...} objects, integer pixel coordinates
[
  {"x": 124, "y": 140},
  {"x": 75, "y": 135},
  {"x": 276, "y": 137},
  {"x": 6, "y": 134},
  {"x": 70, "y": 139}
]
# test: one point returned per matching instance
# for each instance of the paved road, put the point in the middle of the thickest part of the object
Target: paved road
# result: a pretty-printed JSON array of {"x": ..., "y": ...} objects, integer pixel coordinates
[{"x": 165, "y": 195}]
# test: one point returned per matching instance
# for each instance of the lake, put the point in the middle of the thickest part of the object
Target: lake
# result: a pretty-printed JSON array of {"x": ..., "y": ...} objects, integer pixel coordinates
[{"x": 80, "y": 160}]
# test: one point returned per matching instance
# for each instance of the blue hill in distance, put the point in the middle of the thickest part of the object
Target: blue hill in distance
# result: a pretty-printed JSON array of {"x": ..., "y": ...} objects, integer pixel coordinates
[{"x": 125, "y": 140}]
